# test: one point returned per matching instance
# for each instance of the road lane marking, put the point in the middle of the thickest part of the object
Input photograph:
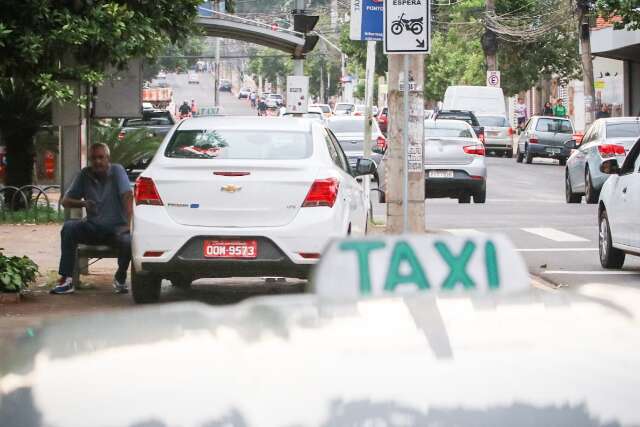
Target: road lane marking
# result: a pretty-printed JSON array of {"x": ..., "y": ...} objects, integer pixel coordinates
[
  {"x": 558, "y": 250},
  {"x": 463, "y": 231},
  {"x": 593, "y": 273},
  {"x": 555, "y": 235}
]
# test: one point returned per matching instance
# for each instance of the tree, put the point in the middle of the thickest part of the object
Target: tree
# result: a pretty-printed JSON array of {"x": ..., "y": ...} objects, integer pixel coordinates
[
  {"x": 173, "y": 57},
  {"x": 628, "y": 12},
  {"x": 326, "y": 65},
  {"x": 270, "y": 64},
  {"x": 43, "y": 45},
  {"x": 356, "y": 51}
]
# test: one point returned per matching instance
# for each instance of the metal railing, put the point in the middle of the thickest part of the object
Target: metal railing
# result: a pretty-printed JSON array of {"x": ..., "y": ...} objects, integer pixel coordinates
[{"x": 28, "y": 202}]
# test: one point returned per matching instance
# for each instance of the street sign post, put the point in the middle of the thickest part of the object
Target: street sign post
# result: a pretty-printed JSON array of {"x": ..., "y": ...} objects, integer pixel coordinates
[
  {"x": 407, "y": 27},
  {"x": 366, "y": 20},
  {"x": 493, "y": 78},
  {"x": 297, "y": 94}
]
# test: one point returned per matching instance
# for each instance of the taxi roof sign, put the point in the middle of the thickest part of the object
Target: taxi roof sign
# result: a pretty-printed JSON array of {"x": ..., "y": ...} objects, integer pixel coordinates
[{"x": 407, "y": 264}]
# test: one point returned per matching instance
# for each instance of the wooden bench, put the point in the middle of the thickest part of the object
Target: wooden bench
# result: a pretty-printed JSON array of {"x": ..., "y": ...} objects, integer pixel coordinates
[{"x": 86, "y": 252}]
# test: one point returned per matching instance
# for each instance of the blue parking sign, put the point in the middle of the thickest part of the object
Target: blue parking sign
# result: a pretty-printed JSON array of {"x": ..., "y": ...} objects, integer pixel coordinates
[{"x": 367, "y": 20}]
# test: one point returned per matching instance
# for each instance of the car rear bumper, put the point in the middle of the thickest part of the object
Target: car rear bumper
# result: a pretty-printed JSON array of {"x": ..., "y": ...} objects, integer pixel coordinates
[
  {"x": 549, "y": 151},
  {"x": 462, "y": 183},
  {"x": 498, "y": 143}
]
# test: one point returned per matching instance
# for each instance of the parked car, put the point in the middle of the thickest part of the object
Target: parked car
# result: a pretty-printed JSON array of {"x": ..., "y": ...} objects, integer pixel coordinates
[
  {"x": 545, "y": 137},
  {"x": 326, "y": 109},
  {"x": 498, "y": 134},
  {"x": 479, "y": 99},
  {"x": 224, "y": 85},
  {"x": 454, "y": 162},
  {"x": 274, "y": 100},
  {"x": 349, "y": 131},
  {"x": 244, "y": 93},
  {"x": 464, "y": 115},
  {"x": 383, "y": 119},
  {"x": 343, "y": 109},
  {"x": 242, "y": 196},
  {"x": 605, "y": 139},
  {"x": 360, "y": 109},
  {"x": 312, "y": 115},
  {"x": 194, "y": 79},
  {"x": 618, "y": 209},
  {"x": 157, "y": 122}
]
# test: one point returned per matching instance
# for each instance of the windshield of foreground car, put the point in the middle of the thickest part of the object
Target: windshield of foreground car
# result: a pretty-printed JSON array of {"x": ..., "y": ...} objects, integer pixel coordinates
[
  {"x": 554, "y": 125},
  {"x": 239, "y": 144},
  {"x": 493, "y": 121},
  {"x": 349, "y": 126},
  {"x": 623, "y": 130}
]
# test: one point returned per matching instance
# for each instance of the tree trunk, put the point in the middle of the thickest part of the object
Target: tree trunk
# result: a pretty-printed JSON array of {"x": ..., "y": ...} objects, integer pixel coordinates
[{"x": 20, "y": 158}]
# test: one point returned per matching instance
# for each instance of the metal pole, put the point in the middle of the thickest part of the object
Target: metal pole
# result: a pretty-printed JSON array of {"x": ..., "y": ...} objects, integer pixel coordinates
[
  {"x": 216, "y": 75},
  {"x": 368, "y": 99},
  {"x": 405, "y": 146},
  {"x": 298, "y": 64}
]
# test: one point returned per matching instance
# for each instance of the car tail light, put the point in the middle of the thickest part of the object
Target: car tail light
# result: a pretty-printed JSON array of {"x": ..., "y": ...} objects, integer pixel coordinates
[
  {"x": 309, "y": 255},
  {"x": 511, "y": 132},
  {"x": 381, "y": 142},
  {"x": 611, "y": 150},
  {"x": 323, "y": 192},
  {"x": 232, "y": 173},
  {"x": 478, "y": 149},
  {"x": 357, "y": 114},
  {"x": 152, "y": 254},
  {"x": 121, "y": 135},
  {"x": 533, "y": 139},
  {"x": 146, "y": 192}
]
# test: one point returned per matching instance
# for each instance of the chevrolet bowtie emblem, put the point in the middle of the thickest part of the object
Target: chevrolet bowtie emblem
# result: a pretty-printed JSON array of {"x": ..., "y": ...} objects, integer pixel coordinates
[{"x": 230, "y": 188}]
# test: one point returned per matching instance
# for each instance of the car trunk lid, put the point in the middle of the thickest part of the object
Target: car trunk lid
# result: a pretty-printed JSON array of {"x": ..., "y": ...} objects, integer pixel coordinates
[{"x": 448, "y": 151}]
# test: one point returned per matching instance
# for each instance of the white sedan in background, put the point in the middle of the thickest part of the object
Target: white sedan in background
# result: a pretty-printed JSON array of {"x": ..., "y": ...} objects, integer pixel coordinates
[
  {"x": 619, "y": 209},
  {"x": 242, "y": 197}
]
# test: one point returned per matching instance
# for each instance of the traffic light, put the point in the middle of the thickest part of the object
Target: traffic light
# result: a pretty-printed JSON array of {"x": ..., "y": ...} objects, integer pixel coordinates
[{"x": 304, "y": 23}]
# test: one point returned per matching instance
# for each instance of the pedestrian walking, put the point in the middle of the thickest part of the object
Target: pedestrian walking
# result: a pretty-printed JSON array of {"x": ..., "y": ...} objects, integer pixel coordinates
[
  {"x": 521, "y": 112},
  {"x": 262, "y": 107},
  {"x": 559, "y": 110},
  {"x": 103, "y": 190},
  {"x": 184, "y": 110},
  {"x": 604, "y": 112},
  {"x": 194, "y": 109},
  {"x": 548, "y": 109},
  {"x": 252, "y": 98}
]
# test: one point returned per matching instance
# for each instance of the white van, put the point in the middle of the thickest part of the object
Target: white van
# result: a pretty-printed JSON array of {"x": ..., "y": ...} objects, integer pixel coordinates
[{"x": 479, "y": 99}]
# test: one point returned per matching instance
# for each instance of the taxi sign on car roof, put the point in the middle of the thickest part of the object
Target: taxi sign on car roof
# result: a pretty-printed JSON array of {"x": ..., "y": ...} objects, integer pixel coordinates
[{"x": 397, "y": 265}]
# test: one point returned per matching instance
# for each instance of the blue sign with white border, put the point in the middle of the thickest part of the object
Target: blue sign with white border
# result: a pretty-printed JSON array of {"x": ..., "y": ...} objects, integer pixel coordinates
[{"x": 367, "y": 20}]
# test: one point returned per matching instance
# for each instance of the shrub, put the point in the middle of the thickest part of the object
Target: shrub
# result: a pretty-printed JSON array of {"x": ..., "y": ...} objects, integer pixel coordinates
[{"x": 16, "y": 273}]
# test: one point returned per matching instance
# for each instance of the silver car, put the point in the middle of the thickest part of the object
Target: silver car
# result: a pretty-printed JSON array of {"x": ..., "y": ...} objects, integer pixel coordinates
[
  {"x": 498, "y": 134},
  {"x": 606, "y": 139},
  {"x": 454, "y": 162},
  {"x": 349, "y": 131}
]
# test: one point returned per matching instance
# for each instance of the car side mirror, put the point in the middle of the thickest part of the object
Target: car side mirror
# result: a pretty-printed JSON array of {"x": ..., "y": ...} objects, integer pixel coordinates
[
  {"x": 365, "y": 167},
  {"x": 610, "y": 167},
  {"x": 571, "y": 144}
]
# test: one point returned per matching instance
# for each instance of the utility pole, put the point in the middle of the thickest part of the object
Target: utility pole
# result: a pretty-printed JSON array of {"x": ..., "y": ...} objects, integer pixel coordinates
[
  {"x": 410, "y": 118},
  {"x": 490, "y": 41},
  {"x": 582, "y": 12},
  {"x": 368, "y": 101},
  {"x": 298, "y": 63}
]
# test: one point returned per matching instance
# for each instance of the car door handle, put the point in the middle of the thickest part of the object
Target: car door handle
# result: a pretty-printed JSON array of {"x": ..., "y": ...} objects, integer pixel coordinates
[{"x": 624, "y": 190}]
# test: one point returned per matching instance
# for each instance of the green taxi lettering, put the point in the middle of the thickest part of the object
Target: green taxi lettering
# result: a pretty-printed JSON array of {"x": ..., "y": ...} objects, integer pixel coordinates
[
  {"x": 362, "y": 250},
  {"x": 491, "y": 261},
  {"x": 402, "y": 253},
  {"x": 457, "y": 265}
]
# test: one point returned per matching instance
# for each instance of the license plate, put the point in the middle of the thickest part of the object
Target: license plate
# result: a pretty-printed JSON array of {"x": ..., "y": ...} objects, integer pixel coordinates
[
  {"x": 230, "y": 249},
  {"x": 554, "y": 150},
  {"x": 440, "y": 174}
]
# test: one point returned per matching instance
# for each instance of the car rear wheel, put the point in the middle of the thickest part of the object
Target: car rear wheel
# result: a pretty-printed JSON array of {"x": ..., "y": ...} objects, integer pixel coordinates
[
  {"x": 464, "y": 198},
  {"x": 529, "y": 157},
  {"x": 519, "y": 155},
  {"x": 590, "y": 194},
  {"x": 145, "y": 287},
  {"x": 610, "y": 257},
  {"x": 480, "y": 196},
  {"x": 570, "y": 196}
]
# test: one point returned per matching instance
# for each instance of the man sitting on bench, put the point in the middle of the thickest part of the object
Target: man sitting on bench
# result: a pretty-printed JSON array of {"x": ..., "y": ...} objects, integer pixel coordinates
[{"x": 103, "y": 190}]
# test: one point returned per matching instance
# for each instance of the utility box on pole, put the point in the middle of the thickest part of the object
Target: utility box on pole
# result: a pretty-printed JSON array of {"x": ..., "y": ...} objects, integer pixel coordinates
[{"x": 297, "y": 94}]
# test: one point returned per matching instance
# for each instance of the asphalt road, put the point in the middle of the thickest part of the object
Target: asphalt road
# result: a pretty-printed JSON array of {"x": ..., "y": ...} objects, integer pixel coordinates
[{"x": 526, "y": 202}]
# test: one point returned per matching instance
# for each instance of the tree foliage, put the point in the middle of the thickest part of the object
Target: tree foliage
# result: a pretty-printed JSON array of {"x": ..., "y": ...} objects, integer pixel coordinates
[
  {"x": 627, "y": 10},
  {"x": 271, "y": 64},
  {"x": 356, "y": 51}
]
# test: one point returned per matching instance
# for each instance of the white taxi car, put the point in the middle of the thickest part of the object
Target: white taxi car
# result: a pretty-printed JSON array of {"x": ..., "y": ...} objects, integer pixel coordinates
[
  {"x": 618, "y": 210},
  {"x": 242, "y": 197}
]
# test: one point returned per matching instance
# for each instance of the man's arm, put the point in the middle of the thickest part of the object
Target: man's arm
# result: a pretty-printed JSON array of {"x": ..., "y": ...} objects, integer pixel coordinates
[
  {"x": 73, "y": 197},
  {"x": 126, "y": 194}
]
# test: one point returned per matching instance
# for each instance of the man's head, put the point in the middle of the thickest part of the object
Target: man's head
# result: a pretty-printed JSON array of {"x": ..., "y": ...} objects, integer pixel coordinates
[
  {"x": 99, "y": 158},
  {"x": 605, "y": 108},
  {"x": 559, "y": 102},
  {"x": 520, "y": 100}
]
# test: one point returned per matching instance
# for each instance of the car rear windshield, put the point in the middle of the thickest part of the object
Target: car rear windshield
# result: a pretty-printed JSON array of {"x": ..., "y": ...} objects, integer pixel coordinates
[
  {"x": 493, "y": 121},
  {"x": 554, "y": 125},
  {"x": 454, "y": 116},
  {"x": 623, "y": 130},
  {"x": 150, "y": 119},
  {"x": 447, "y": 128},
  {"x": 344, "y": 126},
  {"x": 344, "y": 107},
  {"x": 239, "y": 144},
  {"x": 324, "y": 108}
]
